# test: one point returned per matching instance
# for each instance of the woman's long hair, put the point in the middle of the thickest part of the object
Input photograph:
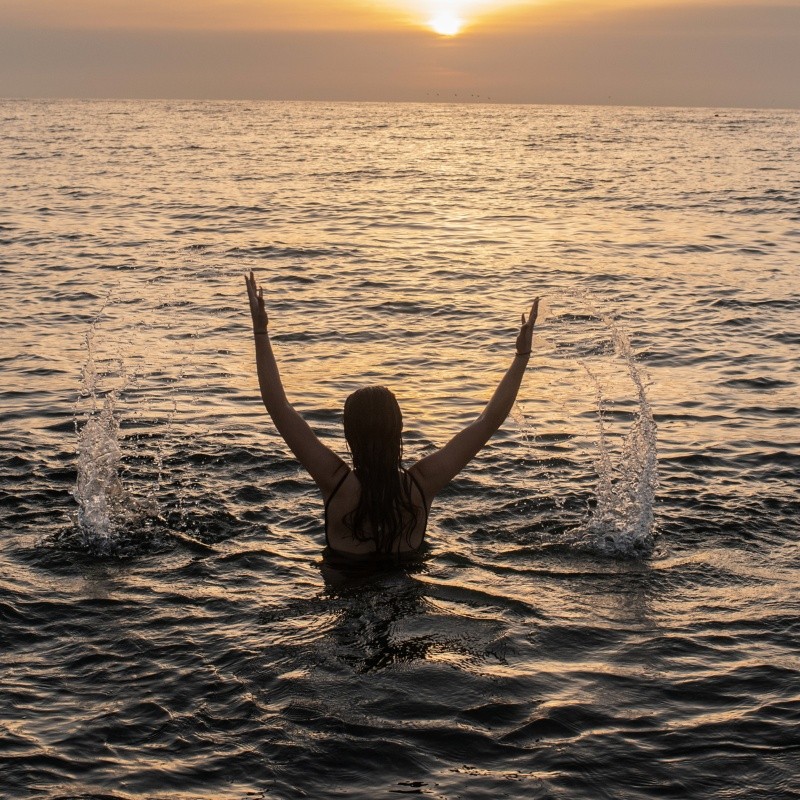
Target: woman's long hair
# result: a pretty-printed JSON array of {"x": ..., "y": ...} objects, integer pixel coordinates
[{"x": 373, "y": 427}]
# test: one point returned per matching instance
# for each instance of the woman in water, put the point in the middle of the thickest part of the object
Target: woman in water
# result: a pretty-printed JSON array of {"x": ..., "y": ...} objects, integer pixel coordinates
[{"x": 378, "y": 510}]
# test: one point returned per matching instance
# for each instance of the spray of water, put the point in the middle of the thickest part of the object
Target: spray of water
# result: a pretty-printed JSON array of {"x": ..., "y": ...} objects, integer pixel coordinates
[
  {"x": 98, "y": 489},
  {"x": 110, "y": 519},
  {"x": 119, "y": 510},
  {"x": 619, "y": 516},
  {"x": 621, "y": 523}
]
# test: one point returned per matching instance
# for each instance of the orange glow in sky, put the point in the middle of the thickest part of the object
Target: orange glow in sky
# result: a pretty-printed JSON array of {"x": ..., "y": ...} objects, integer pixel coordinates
[
  {"x": 621, "y": 52},
  {"x": 446, "y": 17}
]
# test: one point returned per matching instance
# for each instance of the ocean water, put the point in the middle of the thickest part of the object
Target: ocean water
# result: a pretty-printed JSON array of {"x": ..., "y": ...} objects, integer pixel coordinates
[{"x": 609, "y": 606}]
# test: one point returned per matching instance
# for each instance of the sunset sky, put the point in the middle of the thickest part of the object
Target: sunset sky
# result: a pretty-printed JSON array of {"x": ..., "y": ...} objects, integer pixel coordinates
[{"x": 644, "y": 52}]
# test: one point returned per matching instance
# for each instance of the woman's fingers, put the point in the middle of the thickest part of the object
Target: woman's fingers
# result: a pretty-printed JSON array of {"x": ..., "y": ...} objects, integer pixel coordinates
[
  {"x": 534, "y": 311},
  {"x": 531, "y": 320},
  {"x": 254, "y": 292}
]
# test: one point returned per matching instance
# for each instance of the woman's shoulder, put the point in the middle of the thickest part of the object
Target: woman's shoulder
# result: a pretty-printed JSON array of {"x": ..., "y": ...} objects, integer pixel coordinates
[{"x": 419, "y": 479}]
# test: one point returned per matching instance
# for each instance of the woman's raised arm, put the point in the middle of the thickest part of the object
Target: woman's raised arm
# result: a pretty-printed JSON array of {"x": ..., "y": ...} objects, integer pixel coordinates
[
  {"x": 435, "y": 471},
  {"x": 322, "y": 463}
]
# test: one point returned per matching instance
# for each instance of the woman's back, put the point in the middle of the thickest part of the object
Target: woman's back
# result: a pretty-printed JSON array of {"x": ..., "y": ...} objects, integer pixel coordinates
[{"x": 343, "y": 501}]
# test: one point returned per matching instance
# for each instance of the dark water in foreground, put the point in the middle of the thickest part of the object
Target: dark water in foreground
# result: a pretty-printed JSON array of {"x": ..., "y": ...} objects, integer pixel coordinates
[{"x": 609, "y": 606}]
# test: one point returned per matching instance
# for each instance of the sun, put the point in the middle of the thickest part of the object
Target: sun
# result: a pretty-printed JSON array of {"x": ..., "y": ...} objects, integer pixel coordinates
[{"x": 446, "y": 23}]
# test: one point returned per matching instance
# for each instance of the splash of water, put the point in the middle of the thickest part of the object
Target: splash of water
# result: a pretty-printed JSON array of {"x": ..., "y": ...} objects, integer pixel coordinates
[
  {"x": 619, "y": 519},
  {"x": 119, "y": 510},
  {"x": 621, "y": 524},
  {"x": 109, "y": 516},
  {"x": 98, "y": 490}
]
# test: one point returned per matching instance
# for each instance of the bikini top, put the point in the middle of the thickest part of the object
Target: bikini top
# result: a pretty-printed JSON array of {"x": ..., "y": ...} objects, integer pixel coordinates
[{"x": 374, "y": 556}]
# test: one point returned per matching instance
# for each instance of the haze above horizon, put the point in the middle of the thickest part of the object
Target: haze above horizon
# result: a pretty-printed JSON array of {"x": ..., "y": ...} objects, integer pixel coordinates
[{"x": 622, "y": 52}]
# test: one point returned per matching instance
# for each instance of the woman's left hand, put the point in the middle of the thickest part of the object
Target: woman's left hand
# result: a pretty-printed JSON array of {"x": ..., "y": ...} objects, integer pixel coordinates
[{"x": 257, "y": 309}]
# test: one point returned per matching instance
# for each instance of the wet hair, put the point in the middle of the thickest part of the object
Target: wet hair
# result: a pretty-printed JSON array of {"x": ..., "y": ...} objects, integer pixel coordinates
[{"x": 373, "y": 427}]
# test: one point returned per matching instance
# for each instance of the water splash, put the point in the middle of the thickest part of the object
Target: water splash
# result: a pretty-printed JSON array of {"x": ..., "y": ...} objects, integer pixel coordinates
[
  {"x": 110, "y": 519},
  {"x": 618, "y": 520},
  {"x": 621, "y": 523},
  {"x": 98, "y": 490}
]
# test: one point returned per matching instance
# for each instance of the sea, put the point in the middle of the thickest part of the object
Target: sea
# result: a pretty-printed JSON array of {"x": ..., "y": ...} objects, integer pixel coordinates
[{"x": 609, "y": 602}]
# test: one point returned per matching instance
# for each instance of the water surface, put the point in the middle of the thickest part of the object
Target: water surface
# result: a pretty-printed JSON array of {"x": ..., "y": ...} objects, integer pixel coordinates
[{"x": 609, "y": 606}]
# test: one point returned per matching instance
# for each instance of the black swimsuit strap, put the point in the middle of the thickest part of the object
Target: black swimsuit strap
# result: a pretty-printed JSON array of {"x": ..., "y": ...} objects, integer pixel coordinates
[
  {"x": 337, "y": 487},
  {"x": 330, "y": 497},
  {"x": 422, "y": 495}
]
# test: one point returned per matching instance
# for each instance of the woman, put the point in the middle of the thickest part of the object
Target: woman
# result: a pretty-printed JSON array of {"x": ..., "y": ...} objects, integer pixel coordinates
[{"x": 378, "y": 510}]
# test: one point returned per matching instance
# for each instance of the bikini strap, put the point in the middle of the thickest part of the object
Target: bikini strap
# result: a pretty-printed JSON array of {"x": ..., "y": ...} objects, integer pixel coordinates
[
  {"x": 421, "y": 494},
  {"x": 337, "y": 487},
  {"x": 330, "y": 497}
]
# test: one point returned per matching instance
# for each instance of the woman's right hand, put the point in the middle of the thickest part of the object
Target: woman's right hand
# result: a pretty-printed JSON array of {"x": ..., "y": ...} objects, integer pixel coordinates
[
  {"x": 257, "y": 309},
  {"x": 525, "y": 337}
]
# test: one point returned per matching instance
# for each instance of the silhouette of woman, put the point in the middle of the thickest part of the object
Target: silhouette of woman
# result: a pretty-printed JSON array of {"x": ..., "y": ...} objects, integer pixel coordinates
[{"x": 378, "y": 510}]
